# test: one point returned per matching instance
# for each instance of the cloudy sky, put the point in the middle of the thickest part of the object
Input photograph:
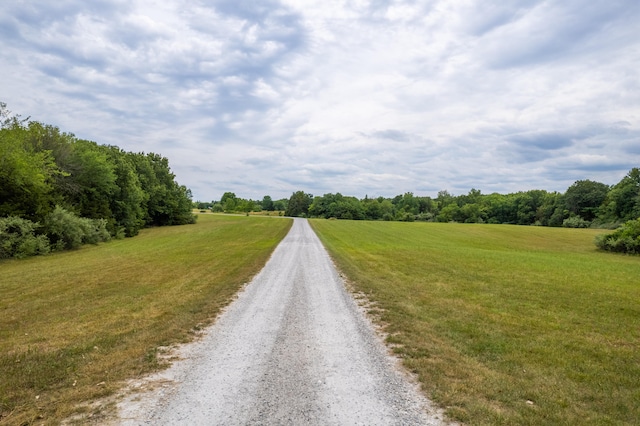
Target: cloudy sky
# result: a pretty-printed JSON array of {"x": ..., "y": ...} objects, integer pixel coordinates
[{"x": 362, "y": 97}]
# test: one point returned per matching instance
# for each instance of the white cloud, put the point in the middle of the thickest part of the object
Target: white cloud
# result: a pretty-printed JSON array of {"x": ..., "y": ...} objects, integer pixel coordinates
[{"x": 356, "y": 96}]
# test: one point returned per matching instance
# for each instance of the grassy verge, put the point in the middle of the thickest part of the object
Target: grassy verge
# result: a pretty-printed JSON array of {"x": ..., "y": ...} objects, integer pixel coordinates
[
  {"x": 503, "y": 324},
  {"x": 74, "y": 325}
]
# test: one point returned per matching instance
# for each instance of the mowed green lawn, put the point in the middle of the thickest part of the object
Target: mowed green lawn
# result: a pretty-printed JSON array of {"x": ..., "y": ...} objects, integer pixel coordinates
[
  {"x": 74, "y": 325},
  {"x": 503, "y": 324}
]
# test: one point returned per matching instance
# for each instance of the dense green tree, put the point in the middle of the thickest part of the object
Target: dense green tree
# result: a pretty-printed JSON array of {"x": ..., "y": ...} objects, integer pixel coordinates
[
  {"x": 473, "y": 197},
  {"x": 584, "y": 198},
  {"x": 281, "y": 205},
  {"x": 126, "y": 203},
  {"x": 373, "y": 209},
  {"x": 90, "y": 182},
  {"x": 27, "y": 175},
  {"x": 337, "y": 206},
  {"x": 42, "y": 167},
  {"x": 229, "y": 201},
  {"x": 500, "y": 208},
  {"x": 550, "y": 211},
  {"x": 622, "y": 202},
  {"x": 267, "y": 203},
  {"x": 444, "y": 198},
  {"x": 405, "y": 203},
  {"x": 247, "y": 205},
  {"x": 165, "y": 202},
  {"x": 387, "y": 209},
  {"x": 299, "y": 204},
  {"x": 526, "y": 207},
  {"x": 472, "y": 213},
  {"x": 450, "y": 213}
]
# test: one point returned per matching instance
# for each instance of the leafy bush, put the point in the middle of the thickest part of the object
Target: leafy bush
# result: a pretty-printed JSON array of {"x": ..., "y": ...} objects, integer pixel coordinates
[
  {"x": 67, "y": 231},
  {"x": 426, "y": 217},
  {"x": 95, "y": 230},
  {"x": 576, "y": 222},
  {"x": 625, "y": 239},
  {"x": 18, "y": 238},
  {"x": 405, "y": 217},
  {"x": 600, "y": 224}
]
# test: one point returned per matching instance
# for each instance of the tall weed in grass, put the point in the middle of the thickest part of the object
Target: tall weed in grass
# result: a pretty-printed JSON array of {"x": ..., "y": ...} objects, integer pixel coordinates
[
  {"x": 74, "y": 325},
  {"x": 503, "y": 324}
]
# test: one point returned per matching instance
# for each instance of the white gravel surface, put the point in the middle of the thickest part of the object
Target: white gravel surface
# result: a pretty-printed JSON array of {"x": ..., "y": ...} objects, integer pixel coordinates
[{"x": 293, "y": 349}]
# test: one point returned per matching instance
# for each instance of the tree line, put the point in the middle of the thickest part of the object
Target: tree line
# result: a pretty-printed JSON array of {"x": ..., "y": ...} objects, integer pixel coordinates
[
  {"x": 58, "y": 191},
  {"x": 231, "y": 203},
  {"x": 585, "y": 203}
]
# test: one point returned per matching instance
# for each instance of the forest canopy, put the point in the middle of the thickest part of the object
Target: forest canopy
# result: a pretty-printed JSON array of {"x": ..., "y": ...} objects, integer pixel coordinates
[
  {"x": 585, "y": 203},
  {"x": 58, "y": 191}
]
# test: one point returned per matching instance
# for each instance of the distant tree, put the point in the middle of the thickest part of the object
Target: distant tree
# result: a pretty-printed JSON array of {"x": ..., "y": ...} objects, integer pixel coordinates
[
  {"x": 584, "y": 197},
  {"x": 387, "y": 209},
  {"x": 227, "y": 196},
  {"x": 299, "y": 203},
  {"x": 280, "y": 205},
  {"x": 501, "y": 208},
  {"x": 473, "y": 197},
  {"x": 450, "y": 213},
  {"x": 426, "y": 206},
  {"x": 526, "y": 207},
  {"x": 229, "y": 201},
  {"x": 202, "y": 205},
  {"x": 406, "y": 203},
  {"x": 622, "y": 203},
  {"x": 267, "y": 203},
  {"x": 247, "y": 205},
  {"x": 337, "y": 206},
  {"x": 550, "y": 209},
  {"x": 372, "y": 209},
  {"x": 444, "y": 198},
  {"x": 472, "y": 213}
]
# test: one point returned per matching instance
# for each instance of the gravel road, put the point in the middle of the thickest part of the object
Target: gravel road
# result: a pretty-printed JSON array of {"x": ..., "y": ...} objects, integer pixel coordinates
[{"x": 293, "y": 349}]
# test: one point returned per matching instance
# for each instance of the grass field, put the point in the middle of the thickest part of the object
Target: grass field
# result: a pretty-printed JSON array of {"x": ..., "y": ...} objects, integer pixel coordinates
[
  {"x": 74, "y": 325},
  {"x": 503, "y": 324}
]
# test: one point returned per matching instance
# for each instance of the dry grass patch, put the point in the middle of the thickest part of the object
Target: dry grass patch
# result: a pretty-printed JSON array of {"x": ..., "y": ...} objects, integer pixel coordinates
[
  {"x": 74, "y": 325},
  {"x": 503, "y": 324}
]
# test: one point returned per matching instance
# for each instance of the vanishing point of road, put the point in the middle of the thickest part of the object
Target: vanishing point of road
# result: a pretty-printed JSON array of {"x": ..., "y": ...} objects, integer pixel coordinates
[{"x": 293, "y": 349}]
